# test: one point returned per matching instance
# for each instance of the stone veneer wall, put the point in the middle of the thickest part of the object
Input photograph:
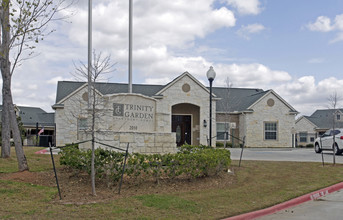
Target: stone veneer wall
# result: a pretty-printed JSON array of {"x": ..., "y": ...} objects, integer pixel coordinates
[
  {"x": 146, "y": 143},
  {"x": 279, "y": 113},
  {"x": 196, "y": 96},
  {"x": 230, "y": 118},
  {"x": 140, "y": 142},
  {"x": 303, "y": 125}
]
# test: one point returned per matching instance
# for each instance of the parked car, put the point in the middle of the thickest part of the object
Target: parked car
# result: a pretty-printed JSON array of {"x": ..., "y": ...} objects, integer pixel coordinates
[{"x": 326, "y": 141}]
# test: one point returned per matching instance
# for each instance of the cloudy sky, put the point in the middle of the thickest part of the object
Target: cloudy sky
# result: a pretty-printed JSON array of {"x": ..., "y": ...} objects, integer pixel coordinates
[{"x": 293, "y": 47}]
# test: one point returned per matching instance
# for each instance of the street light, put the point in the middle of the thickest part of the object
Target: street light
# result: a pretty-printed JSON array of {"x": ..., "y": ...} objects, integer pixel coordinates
[{"x": 210, "y": 76}]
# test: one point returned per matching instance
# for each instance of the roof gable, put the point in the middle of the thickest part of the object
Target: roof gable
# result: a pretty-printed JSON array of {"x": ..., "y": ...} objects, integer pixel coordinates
[
  {"x": 177, "y": 79},
  {"x": 292, "y": 110},
  {"x": 236, "y": 99}
]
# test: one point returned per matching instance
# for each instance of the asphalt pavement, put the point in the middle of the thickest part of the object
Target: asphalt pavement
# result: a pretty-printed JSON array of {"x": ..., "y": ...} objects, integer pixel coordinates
[{"x": 284, "y": 154}]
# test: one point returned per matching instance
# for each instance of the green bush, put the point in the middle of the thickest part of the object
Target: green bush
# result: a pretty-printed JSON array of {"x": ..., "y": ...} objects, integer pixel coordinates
[
  {"x": 309, "y": 146},
  {"x": 190, "y": 162},
  {"x": 219, "y": 144}
]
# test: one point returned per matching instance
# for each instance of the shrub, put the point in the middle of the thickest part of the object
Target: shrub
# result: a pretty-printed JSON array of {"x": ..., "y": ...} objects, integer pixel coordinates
[
  {"x": 219, "y": 144},
  {"x": 309, "y": 146},
  {"x": 190, "y": 161}
]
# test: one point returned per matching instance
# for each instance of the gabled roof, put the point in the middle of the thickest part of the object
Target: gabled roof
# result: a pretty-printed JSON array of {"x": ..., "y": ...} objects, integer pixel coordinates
[
  {"x": 307, "y": 119},
  {"x": 31, "y": 115},
  {"x": 323, "y": 118},
  {"x": 64, "y": 88},
  {"x": 236, "y": 99},
  {"x": 179, "y": 78},
  {"x": 292, "y": 110}
]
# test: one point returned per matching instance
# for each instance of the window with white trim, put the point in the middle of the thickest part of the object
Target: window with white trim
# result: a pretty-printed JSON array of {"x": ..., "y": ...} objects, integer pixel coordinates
[
  {"x": 223, "y": 131},
  {"x": 270, "y": 130},
  {"x": 303, "y": 137}
]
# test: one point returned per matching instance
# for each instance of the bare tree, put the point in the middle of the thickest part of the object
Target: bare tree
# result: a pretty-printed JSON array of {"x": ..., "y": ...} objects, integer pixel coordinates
[
  {"x": 227, "y": 111},
  {"x": 333, "y": 103},
  {"x": 23, "y": 24},
  {"x": 100, "y": 66}
]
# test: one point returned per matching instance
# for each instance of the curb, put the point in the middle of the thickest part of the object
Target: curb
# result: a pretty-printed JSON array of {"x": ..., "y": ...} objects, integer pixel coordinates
[{"x": 293, "y": 202}]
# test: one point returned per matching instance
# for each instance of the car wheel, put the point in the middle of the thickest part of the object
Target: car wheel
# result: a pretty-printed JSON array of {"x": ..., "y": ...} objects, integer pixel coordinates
[
  {"x": 317, "y": 149},
  {"x": 336, "y": 150}
]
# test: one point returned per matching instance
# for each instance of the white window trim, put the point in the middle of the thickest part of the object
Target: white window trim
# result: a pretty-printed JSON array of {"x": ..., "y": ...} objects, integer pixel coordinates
[{"x": 264, "y": 130}]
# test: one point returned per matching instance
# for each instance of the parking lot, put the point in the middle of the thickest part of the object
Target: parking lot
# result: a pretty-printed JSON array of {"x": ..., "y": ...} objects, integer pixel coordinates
[{"x": 284, "y": 154}]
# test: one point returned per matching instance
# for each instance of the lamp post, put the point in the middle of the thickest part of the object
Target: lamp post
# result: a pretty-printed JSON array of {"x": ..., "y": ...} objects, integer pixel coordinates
[{"x": 211, "y": 74}]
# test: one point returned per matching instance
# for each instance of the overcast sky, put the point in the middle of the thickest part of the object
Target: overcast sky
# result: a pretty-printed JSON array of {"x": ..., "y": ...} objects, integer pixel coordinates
[{"x": 294, "y": 47}]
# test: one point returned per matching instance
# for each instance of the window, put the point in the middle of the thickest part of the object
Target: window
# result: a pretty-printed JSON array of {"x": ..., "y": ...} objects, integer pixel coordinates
[
  {"x": 223, "y": 131},
  {"x": 270, "y": 131},
  {"x": 338, "y": 117},
  {"x": 303, "y": 137},
  {"x": 312, "y": 139},
  {"x": 82, "y": 124}
]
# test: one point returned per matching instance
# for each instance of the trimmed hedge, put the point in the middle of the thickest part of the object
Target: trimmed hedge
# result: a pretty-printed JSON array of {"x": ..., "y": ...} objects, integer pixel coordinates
[{"x": 189, "y": 162}]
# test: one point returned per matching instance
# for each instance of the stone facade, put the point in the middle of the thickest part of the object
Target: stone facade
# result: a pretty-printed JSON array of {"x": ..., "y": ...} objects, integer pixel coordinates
[
  {"x": 267, "y": 111},
  {"x": 304, "y": 126},
  {"x": 176, "y": 113},
  {"x": 143, "y": 122}
]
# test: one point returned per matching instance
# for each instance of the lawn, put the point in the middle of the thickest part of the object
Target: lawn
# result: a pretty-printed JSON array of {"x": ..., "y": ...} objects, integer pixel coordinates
[{"x": 255, "y": 185}]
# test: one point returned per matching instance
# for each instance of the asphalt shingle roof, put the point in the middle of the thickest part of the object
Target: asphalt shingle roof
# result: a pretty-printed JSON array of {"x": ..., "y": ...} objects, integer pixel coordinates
[
  {"x": 323, "y": 118},
  {"x": 64, "y": 88},
  {"x": 232, "y": 99},
  {"x": 236, "y": 99},
  {"x": 31, "y": 115}
]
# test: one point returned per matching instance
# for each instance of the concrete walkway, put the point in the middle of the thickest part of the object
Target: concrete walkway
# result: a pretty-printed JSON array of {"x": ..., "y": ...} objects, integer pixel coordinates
[{"x": 328, "y": 207}]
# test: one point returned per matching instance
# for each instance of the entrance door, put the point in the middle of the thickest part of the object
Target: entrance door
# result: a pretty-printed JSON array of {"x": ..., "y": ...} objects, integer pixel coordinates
[{"x": 181, "y": 125}]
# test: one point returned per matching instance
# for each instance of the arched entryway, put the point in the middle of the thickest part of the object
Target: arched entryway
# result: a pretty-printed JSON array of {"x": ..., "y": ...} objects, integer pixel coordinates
[{"x": 186, "y": 123}]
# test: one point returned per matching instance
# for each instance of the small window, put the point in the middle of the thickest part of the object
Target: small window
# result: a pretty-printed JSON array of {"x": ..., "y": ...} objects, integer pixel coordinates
[
  {"x": 312, "y": 139},
  {"x": 82, "y": 123},
  {"x": 338, "y": 117},
  {"x": 303, "y": 137},
  {"x": 270, "y": 131},
  {"x": 223, "y": 131}
]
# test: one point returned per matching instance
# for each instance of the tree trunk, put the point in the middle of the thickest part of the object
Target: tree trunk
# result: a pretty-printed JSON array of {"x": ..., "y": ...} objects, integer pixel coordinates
[
  {"x": 10, "y": 119},
  {"x": 5, "y": 119}
]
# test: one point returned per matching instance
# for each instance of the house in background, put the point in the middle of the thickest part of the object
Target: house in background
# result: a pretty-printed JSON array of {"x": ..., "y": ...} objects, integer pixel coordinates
[
  {"x": 308, "y": 128},
  {"x": 157, "y": 118},
  {"x": 33, "y": 120}
]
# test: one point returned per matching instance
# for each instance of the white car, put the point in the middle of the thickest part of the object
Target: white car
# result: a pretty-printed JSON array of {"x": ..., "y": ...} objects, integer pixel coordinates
[{"x": 326, "y": 141}]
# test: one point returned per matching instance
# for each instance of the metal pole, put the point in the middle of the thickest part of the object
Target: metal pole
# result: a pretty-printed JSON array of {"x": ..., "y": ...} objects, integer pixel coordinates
[
  {"x": 53, "y": 164},
  {"x": 211, "y": 80},
  {"x": 89, "y": 51},
  {"x": 130, "y": 46},
  {"x": 122, "y": 174},
  {"x": 240, "y": 158},
  {"x": 36, "y": 134}
]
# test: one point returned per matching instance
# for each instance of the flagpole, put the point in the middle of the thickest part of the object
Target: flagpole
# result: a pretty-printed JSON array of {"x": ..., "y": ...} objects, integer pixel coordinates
[
  {"x": 89, "y": 51},
  {"x": 130, "y": 46}
]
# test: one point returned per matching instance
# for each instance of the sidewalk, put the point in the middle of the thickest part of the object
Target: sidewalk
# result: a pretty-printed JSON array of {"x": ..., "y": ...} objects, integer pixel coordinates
[{"x": 320, "y": 204}]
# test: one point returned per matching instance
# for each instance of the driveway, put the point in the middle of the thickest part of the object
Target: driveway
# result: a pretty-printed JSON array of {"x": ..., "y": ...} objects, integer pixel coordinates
[{"x": 284, "y": 154}]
